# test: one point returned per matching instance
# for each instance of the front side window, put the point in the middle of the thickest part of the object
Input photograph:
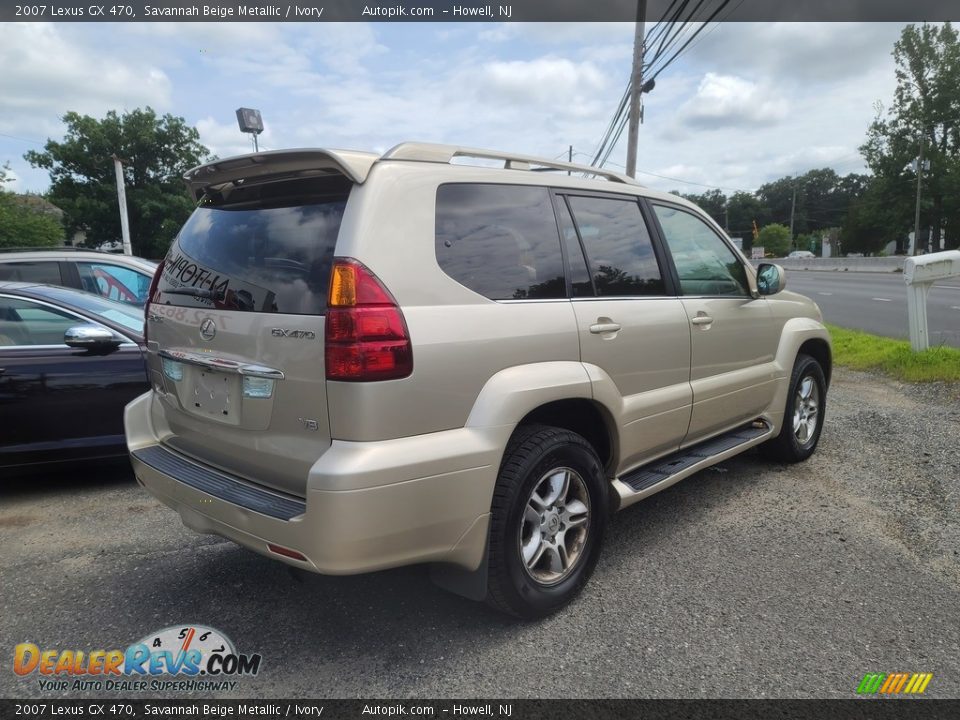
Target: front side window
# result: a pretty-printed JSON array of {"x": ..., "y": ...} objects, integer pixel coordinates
[
  {"x": 26, "y": 323},
  {"x": 705, "y": 263},
  {"x": 618, "y": 246},
  {"x": 500, "y": 241}
]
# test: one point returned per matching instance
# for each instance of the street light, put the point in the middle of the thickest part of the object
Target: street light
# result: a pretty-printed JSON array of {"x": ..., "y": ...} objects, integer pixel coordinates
[{"x": 250, "y": 122}]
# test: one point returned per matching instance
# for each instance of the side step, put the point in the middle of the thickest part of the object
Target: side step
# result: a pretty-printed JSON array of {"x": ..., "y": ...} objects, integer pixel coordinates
[{"x": 676, "y": 466}]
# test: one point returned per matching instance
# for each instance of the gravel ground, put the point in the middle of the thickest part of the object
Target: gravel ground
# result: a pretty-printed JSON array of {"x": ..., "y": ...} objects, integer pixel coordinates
[{"x": 747, "y": 580}]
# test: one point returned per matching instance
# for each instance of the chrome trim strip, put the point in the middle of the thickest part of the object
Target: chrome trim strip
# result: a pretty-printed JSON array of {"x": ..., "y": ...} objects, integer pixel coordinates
[{"x": 222, "y": 364}]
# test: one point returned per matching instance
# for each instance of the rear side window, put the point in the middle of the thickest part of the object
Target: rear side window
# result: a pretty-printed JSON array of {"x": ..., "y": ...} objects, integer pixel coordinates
[
  {"x": 263, "y": 248},
  {"x": 618, "y": 246},
  {"x": 114, "y": 282},
  {"x": 44, "y": 271},
  {"x": 501, "y": 241}
]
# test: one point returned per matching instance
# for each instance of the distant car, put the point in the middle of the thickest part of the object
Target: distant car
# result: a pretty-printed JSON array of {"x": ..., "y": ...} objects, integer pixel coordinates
[
  {"x": 69, "y": 363},
  {"x": 802, "y": 254},
  {"x": 122, "y": 278}
]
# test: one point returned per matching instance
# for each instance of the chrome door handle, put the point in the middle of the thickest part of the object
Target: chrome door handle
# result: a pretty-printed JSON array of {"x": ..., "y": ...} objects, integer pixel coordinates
[
  {"x": 702, "y": 320},
  {"x": 604, "y": 327}
]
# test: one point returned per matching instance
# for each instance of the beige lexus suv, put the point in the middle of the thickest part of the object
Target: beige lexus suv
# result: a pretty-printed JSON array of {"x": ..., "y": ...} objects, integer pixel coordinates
[{"x": 361, "y": 361}]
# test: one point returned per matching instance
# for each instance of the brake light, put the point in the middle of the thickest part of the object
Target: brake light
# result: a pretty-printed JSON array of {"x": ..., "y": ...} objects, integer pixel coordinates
[
  {"x": 154, "y": 282},
  {"x": 365, "y": 333}
]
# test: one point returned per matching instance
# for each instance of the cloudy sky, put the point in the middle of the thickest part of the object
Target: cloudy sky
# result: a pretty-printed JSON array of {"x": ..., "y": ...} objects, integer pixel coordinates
[{"x": 746, "y": 104}]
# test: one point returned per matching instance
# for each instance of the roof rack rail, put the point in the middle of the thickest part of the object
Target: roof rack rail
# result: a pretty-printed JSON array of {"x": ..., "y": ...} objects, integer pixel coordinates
[
  {"x": 59, "y": 248},
  {"x": 433, "y": 152}
]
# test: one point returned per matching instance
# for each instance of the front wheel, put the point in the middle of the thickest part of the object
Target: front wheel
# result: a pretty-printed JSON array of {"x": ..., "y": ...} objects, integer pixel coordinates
[
  {"x": 803, "y": 415},
  {"x": 547, "y": 521}
]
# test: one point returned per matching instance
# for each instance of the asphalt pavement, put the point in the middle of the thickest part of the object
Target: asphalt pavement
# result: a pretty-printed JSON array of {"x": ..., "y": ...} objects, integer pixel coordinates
[
  {"x": 746, "y": 580},
  {"x": 877, "y": 302}
]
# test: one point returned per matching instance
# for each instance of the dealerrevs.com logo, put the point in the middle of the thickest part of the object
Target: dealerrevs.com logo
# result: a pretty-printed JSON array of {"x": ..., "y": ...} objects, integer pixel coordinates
[{"x": 180, "y": 658}]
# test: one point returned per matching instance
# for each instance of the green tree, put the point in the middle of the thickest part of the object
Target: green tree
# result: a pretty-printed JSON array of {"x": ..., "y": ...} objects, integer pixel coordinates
[
  {"x": 22, "y": 226},
  {"x": 155, "y": 151},
  {"x": 775, "y": 239},
  {"x": 743, "y": 209},
  {"x": 925, "y": 115},
  {"x": 712, "y": 202}
]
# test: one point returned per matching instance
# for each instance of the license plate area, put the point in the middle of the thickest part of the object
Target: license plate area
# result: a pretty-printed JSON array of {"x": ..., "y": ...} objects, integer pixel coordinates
[{"x": 215, "y": 395}]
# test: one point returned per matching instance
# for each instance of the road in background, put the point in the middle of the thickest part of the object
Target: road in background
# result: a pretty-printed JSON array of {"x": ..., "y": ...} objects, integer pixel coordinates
[{"x": 877, "y": 303}]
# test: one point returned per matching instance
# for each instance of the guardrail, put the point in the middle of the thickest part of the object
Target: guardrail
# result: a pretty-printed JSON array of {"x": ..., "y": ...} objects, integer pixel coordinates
[{"x": 841, "y": 264}]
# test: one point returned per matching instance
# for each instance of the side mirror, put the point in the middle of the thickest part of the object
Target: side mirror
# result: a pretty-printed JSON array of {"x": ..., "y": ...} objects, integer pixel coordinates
[
  {"x": 771, "y": 279},
  {"x": 91, "y": 337}
]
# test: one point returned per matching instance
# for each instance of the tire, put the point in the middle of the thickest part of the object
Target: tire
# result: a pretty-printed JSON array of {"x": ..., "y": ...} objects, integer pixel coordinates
[
  {"x": 548, "y": 516},
  {"x": 803, "y": 415}
]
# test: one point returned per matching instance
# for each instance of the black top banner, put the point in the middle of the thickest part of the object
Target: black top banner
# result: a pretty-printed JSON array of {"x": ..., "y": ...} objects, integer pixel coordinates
[{"x": 477, "y": 11}]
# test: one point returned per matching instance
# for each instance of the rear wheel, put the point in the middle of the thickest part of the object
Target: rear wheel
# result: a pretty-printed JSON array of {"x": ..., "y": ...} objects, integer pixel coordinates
[
  {"x": 803, "y": 415},
  {"x": 547, "y": 521}
]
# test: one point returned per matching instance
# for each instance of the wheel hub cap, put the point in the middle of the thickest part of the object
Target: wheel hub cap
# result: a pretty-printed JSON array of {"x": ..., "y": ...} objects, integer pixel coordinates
[
  {"x": 554, "y": 526},
  {"x": 806, "y": 410}
]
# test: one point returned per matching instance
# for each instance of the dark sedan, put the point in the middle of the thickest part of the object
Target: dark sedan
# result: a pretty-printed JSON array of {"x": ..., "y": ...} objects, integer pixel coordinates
[{"x": 69, "y": 363}]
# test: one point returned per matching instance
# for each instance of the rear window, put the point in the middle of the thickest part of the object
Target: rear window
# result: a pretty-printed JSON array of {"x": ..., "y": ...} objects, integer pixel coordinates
[
  {"x": 264, "y": 248},
  {"x": 500, "y": 241}
]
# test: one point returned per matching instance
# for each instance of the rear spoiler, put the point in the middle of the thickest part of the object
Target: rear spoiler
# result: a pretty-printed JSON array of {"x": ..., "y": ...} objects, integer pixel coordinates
[{"x": 306, "y": 161}]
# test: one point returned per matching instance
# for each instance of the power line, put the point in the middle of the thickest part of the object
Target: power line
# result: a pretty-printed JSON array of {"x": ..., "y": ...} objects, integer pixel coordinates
[
  {"x": 26, "y": 140},
  {"x": 713, "y": 15}
]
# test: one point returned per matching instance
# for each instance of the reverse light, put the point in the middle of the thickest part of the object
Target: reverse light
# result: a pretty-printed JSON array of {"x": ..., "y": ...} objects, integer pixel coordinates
[
  {"x": 365, "y": 333},
  {"x": 255, "y": 387},
  {"x": 172, "y": 369}
]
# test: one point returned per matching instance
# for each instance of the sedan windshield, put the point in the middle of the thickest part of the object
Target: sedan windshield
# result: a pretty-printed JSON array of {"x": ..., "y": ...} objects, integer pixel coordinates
[{"x": 122, "y": 314}]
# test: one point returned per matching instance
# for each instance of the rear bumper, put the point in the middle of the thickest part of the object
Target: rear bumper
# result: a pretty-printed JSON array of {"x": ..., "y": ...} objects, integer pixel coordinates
[{"x": 368, "y": 506}]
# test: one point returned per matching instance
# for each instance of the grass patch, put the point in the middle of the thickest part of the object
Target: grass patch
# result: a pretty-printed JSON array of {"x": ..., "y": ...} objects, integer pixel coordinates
[{"x": 863, "y": 351}]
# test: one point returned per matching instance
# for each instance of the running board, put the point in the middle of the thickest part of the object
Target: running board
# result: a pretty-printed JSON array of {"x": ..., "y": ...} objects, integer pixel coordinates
[{"x": 664, "y": 472}]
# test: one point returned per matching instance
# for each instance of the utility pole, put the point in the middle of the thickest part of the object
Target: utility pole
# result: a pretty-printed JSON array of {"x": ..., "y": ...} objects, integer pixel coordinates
[
  {"x": 636, "y": 88},
  {"x": 916, "y": 217},
  {"x": 570, "y": 157},
  {"x": 122, "y": 198}
]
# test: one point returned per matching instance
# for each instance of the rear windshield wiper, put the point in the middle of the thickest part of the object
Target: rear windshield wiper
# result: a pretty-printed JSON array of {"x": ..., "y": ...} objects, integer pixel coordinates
[{"x": 196, "y": 292}]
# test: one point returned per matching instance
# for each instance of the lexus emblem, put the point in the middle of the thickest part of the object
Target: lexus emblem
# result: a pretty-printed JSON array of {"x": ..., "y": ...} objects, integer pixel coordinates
[{"x": 208, "y": 329}]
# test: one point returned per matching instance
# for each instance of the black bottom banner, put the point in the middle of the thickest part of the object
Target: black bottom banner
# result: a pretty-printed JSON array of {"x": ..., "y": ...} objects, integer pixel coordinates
[{"x": 866, "y": 709}]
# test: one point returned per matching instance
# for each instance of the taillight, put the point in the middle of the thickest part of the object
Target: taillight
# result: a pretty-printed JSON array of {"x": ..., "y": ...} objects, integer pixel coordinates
[
  {"x": 366, "y": 336},
  {"x": 153, "y": 288}
]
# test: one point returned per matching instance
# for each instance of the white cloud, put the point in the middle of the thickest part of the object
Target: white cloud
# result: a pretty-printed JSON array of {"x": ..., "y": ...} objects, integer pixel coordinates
[
  {"x": 224, "y": 140},
  {"x": 727, "y": 100},
  {"x": 47, "y": 72},
  {"x": 543, "y": 80},
  {"x": 744, "y": 104}
]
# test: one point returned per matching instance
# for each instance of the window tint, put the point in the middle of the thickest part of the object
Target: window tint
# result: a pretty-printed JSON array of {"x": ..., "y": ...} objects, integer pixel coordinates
[
  {"x": 43, "y": 271},
  {"x": 500, "y": 240},
  {"x": 618, "y": 246},
  {"x": 123, "y": 314},
  {"x": 263, "y": 248},
  {"x": 114, "y": 282},
  {"x": 579, "y": 275},
  {"x": 25, "y": 323},
  {"x": 705, "y": 264}
]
